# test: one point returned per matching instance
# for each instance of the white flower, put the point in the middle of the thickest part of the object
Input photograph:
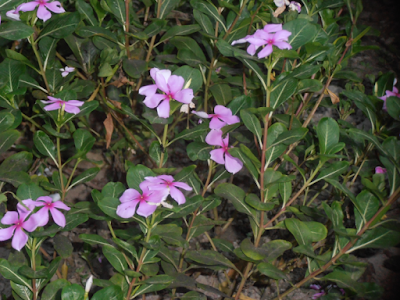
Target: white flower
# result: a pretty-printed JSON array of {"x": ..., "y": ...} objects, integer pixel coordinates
[
  {"x": 295, "y": 6},
  {"x": 13, "y": 14},
  {"x": 65, "y": 71},
  {"x": 280, "y": 3},
  {"x": 185, "y": 107},
  {"x": 89, "y": 283}
]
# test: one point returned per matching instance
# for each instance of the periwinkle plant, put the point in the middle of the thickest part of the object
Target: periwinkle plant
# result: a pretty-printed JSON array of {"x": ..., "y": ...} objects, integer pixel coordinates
[{"x": 239, "y": 138}]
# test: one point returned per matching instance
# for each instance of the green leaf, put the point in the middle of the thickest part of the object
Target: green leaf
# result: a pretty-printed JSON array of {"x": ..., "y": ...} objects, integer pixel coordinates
[
  {"x": 199, "y": 150},
  {"x": 155, "y": 153},
  {"x": 309, "y": 85},
  {"x": 7, "y": 139},
  {"x": 11, "y": 273},
  {"x": 117, "y": 8},
  {"x": 113, "y": 189},
  {"x": 342, "y": 279},
  {"x": 179, "y": 30},
  {"x": 22, "y": 291},
  {"x": 318, "y": 231},
  {"x": 183, "y": 42},
  {"x": 300, "y": 231},
  {"x": 73, "y": 291},
  {"x": 63, "y": 246},
  {"x": 333, "y": 171},
  {"x": 281, "y": 91},
  {"x": 30, "y": 191},
  {"x": 367, "y": 206},
  {"x": 41, "y": 272},
  {"x": 115, "y": 258},
  {"x": 379, "y": 237},
  {"x": 86, "y": 11},
  {"x": 305, "y": 71},
  {"x": 256, "y": 69},
  {"x": 236, "y": 196},
  {"x": 167, "y": 6},
  {"x": 192, "y": 74},
  {"x": 328, "y": 134},
  {"x": 6, "y": 120},
  {"x": 89, "y": 31},
  {"x": 210, "y": 258},
  {"x": 155, "y": 27},
  {"x": 112, "y": 292},
  {"x": 73, "y": 220},
  {"x": 62, "y": 26},
  {"x": 208, "y": 9},
  {"x": 15, "y": 178},
  {"x": 85, "y": 176},
  {"x": 11, "y": 70},
  {"x": 193, "y": 296},
  {"x": 53, "y": 289},
  {"x": 134, "y": 68},
  {"x": 83, "y": 140},
  {"x": 252, "y": 123},
  {"x": 222, "y": 93},
  {"x": 271, "y": 271},
  {"x": 136, "y": 175},
  {"x": 204, "y": 21},
  {"x": 126, "y": 246},
  {"x": 393, "y": 107},
  {"x": 15, "y": 31},
  {"x": 302, "y": 32},
  {"x": 45, "y": 145},
  {"x": 289, "y": 137},
  {"x": 254, "y": 201},
  {"x": 274, "y": 249},
  {"x": 20, "y": 161},
  {"x": 47, "y": 47},
  {"x": 192, "y": 133}
]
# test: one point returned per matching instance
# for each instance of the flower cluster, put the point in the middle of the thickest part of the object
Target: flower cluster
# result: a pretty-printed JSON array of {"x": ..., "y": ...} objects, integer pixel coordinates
[
  {"x": 393, "y": 93},
  {"x": 70, "y": 106},
  {"x": 173, "y": 88},
  {"x": 270, "y": 35},
  {"x": 155, "y": 191},
  {"x": 24, "y": 218},
  {"x": 222, "y": 116}
]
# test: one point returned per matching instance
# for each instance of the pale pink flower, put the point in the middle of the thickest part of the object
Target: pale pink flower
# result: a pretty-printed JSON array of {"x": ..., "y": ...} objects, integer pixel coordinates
[
  {"x": 393, "y": 93},
  {"x": 270, "y": 35},
  {"x": 221, "y": 155},
  {"x": 167, "y": 183},
  {"x": 280, "y": 3},
  {"x": 48, "y": 205},
  {"x": 222, "y": 116},
  {"x": 317, "y": 295},
  {"x": 171, "y": 86},
  {"x": 13, "y": 14},
  {"x": 70, "y": 106},
  {"x": 44, "y": 7},
  {"x": 380, "y": 170},
  {"x": 315, "y": 287},
  {"x": 295, "y": 6},
  {"x": 147, "y": 201},
  {"x": 65, "y": 71},
  {"x": 18, "y": 222}
]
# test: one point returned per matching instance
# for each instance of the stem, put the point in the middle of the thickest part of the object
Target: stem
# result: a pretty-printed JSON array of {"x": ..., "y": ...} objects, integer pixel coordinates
[
  {"x": 128, "y": 53},
  {"x": 33, "y": 122},
  {"x": 269, "y": 83},
  {"x": 60, "y": 167},
  {"x": 39, "y": 60},
  {"x": 346, "y": 248},
  {"x": 34, "y": 267},
  {"x": 154, "y": 36},
  {"x": 236, "y": 19},
  {"x": 164, "y": 145},
  {"x": 210, "y": 69},
  {"x": 72, "y": 173}
]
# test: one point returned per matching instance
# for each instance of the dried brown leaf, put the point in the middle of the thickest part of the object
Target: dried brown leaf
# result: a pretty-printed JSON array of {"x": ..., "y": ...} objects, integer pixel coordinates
[
  {"x": 109, "y": 125},
  {"x": 334, "y": 98}
]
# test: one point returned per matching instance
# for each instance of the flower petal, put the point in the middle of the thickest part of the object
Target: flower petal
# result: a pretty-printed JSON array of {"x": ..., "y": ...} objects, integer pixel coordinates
[
  {"x": 42, "y": 216},
  {"x": 6, "y": 233},
  {"x": 162, "y": 77},
  {"x": 55, "y": 6},
  {"x": 282, "y": 35},
  {"x": 28, "y": 6},
  {"x": 45, "y": 199},
  {"x": 72, "y": 109},
  {"x": 146, "y": 209},
  {"x": 129, "y": 195},
  {"x": 273, "y": 27},
  {"x": 232, "y": 164},
  {"x": 54, "y": 106},
  {"x": 175, "y": 83},
  {"x": 153, "y": 73},
  {"x": 177, "y": 195},
  {"x": 214, "y": 137},
  {"x": 217, "y": 155},
  {"x": 252, "y": 49},
  {"x": 58, "y": 217},
  {"x": 265, "y": 52},
  {"x": 127, "y": 210},
  {"x": 283, "y": 45},
  {"x": 43, "y": 13},
  {"x": 60, "y": 205},
  {"x": 182, "y": 185},
  {"x": 154, "y": 100},
  {"x": 201, "y": 114},
  {"x": 163, "y": 109},
  {"x": 184, "y": 96},
  {"x": 31, "y": 224},
  {"x": 216, "y": 123},
  {"x": 148, "y": 90},
  {"x": 75, "y": 102},
  {"x": 19, "y": 240},
  {"x": 11, "y": 217}
]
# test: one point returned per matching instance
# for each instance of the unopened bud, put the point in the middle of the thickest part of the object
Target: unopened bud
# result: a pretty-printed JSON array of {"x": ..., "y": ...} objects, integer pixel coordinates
[{"x": 89, "y": 283}]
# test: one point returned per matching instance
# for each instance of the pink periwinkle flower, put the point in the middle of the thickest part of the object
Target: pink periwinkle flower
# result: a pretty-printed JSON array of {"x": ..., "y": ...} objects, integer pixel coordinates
[
  {"x": 65, "y": 71},
  {"x": 147, "y": 201},
  {"x": 315, "y": 287},
  {"x": 171, "y": 86},
  {"x": 70, "y": 106},
  {"x": 393, "y": 93},
  {"x": 317, "y": 295},
  {"x": 168, "y": 184},
  {"x": 380, "y": 170},
  {"x": 18, "y": 222},
  {"x": 295, "y": 6},
  {"x": 48, "y": 205},
  {"x": 44, "y": 7},
  {"x": 270, "y": 35},
  {"x": 222, "y": 116},
  {"x": 221, "y": 155}
]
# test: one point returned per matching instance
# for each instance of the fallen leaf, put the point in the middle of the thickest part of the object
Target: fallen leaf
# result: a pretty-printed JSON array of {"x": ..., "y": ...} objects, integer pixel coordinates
[
  {"x": 109, "y": 125},
  {"x": 334, "y": 98},
  {"x": 116, "y": 103},
  {"x": 121, "y": 81}
]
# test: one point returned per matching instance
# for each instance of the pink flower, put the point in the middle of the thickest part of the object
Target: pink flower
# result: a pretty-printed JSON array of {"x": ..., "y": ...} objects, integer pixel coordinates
[
  {"x": 393, "y": 93},
  {"x": 221, "y": 155},
  {"x": 167, "y": 184},
  {"x": 171, "y": 85},
  {"x": 148, "y": 201},
  {"x": 295, "y": 6},
  {"x": 380, "y": 170},
  {"x": 271, "y": 35},
  {"x": 315, "y": 287},
  {"x": 49, "y": 206},
  {"x": 222, "y": 116},
  {"x": 280, "y": 3},
  {"x": 317, "y": 295},
  {"x": 44, "y": 6},
  {"x": 65, "y": 71},
  {"x": 18, "y": 222},
  {"x": 70, "y": 106}
]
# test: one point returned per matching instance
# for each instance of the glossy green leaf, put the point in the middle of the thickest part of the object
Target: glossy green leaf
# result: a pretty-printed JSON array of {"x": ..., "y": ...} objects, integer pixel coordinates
[
  {"x": 85, "y": 176},
  {"x": 379, "y": 237},
  {"x": 112, "y": 292},
  {"x": 328, "y": 134},
  {"x": 167, "y": 6},
  {"x": 136, "y": 175},
  {"x": 94, "y": 239},
  {"x": 63, "y": 246},
  {"x": 300, "y": 231},
  {"x": 222, "y": 93},
  {"x": 54, "y": 289},
  {"x": 210, "y": 10},
  {"x": 210, "y": 258},
  {"x": 115, "y": 258},
  {"x": 72, "y": 292},
  {"x": 271, "y": 271},
  {"x": 318, "y": 231},
  {"x": 281, "y": 91},
  {"x": 22, "y": 291},
  {"x": 15, "y": 31},
  {"x": 333, "y": 170},
  {"x": 62, "y": 26},
  {"x": 302, "y": 32},
  {"x": 309, "y": 85},
  {"x": 11, "y": 273}
]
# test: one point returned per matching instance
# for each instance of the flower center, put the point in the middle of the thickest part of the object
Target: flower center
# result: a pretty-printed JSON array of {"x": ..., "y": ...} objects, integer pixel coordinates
[
  {"x": 49, "y": 205},
  {"x": 19, "y": 223},
  {"x": 270, "y": 41}
]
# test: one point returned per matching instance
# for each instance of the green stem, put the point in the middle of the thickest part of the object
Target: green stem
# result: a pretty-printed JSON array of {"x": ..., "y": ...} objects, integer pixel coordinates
[
  {"x": 60, "y": 166},
  {"x": 33, "y": 262},
  {"x": 72, "y": 173},
  {"x": 164, "y": 145},
  {"x": 39, "y": 60},
  {"x": 210, "y": 69},
  {"x": 33, "y": 122},
  {"x": 269, "y": 83}
]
